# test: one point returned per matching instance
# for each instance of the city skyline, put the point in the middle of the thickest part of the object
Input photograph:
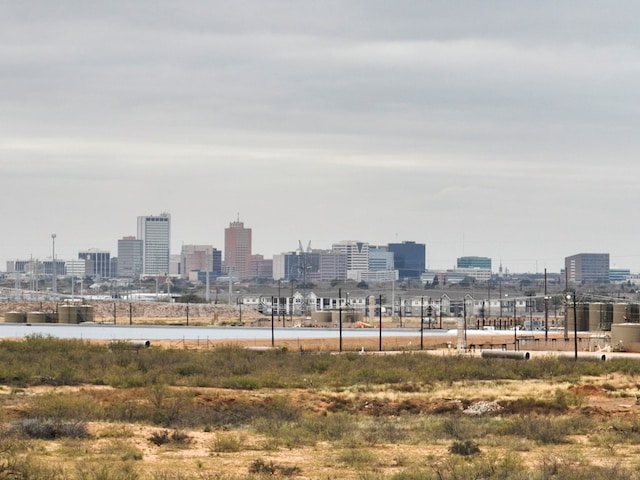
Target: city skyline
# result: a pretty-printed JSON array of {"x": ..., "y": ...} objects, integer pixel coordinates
[
  {"x": 246, "y": 248},
  {"x": 501, "y": 130}
]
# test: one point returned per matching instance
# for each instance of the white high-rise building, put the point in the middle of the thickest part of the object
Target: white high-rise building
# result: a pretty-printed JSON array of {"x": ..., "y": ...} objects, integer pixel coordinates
[
  {"x": 357, "y": 254},
  {"x": 155, "y": 233}
]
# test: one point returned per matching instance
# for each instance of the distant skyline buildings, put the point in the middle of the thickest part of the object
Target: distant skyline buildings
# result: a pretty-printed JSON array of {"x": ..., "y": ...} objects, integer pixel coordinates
[
  {"x": 410, "y": 258},
  {"x": 148, "y": 254},
  {"x": 587, "y": 268},
  {"x": 97, "y": 262},
  {"x": 474, "y": 262},
  {"x": 155, "y": 233},
  {"x": 130, "y": 251},
  {"x": 200, "y": 258},
  {"x": 237, "y": 249}
]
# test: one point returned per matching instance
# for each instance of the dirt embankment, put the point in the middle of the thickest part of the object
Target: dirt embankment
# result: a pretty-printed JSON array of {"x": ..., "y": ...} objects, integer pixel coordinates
[{"x": 144, "y": 312}]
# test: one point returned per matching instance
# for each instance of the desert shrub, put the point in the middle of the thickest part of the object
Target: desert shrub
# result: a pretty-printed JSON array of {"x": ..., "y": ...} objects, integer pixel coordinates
[
  {"x": 48, "y": 429},
  {"x": 261, "y": 467},
  {"x": 122, "y": 449},
  {"x": 19, "y": 467},
  {"x": 617, "y": 431},
  {"x": 539, "y": 429},
  {"x": 328, "y": 428},
  {"x": 159, "y": 437},
  {"x": 46, "y": 360},
  {"x": 306, "y": 429},
  {"x": 180, "y": 437},
  {"x": 243, "y": 382},
  {"x": 456, "y": 427},
  {"x": 115, "y": 431},
  {"x": 356, "y": 457},
  {"x": 62, "y": 407},
  {"x": 163, "y": 437},
  {"x": 561, "y": 469},
  {"x": 106, "y": 471},
  {"x": 227, "y": 444},
  {"x": 383, "y": 430},
  {"x": 464, "y": 447}
]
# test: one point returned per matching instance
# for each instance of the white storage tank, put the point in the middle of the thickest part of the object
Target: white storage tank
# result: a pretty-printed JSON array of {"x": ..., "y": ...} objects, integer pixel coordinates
[{"x": 626, "y": 335}]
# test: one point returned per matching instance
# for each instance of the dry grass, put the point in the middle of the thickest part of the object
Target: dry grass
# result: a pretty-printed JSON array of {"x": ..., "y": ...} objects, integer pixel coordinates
[{"x": 211, "y": 451}]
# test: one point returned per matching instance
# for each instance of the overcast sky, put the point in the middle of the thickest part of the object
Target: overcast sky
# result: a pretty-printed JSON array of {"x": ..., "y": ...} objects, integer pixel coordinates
[{"x": 497, "y": 128}]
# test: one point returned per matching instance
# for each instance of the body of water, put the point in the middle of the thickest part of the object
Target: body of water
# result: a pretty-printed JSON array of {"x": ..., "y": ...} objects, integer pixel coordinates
[{"x": 158, "y": 332}]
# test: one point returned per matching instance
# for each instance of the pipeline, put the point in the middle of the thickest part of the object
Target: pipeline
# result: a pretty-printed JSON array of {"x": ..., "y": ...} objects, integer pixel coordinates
[
  {"x": 601, "y": 357},
  {"x": 506, "y": 354},
  {"x": 132, "y": 344}
]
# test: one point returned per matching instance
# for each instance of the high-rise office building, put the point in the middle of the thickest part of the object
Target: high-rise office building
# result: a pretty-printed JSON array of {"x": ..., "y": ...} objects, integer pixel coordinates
[
  {"x": 380, "y": 259},
  {"x": 409, "y": 258},
  {"x": 200, "y": 258},
  {"x": 474, "y": 262},
  {"x": 98, "y": 262},
  {"x": 129, "y": 257},
  {"x": 587, "y": 268},
  {"x": 155, "y": 233},
  {"x": 332, "y": 265},
  {"x": 357, "y": 254},
  {"x": 237, "y": 249}
]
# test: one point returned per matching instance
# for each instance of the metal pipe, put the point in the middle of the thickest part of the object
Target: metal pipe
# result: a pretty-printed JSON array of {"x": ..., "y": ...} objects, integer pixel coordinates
[{"x": 506, "y": 354}]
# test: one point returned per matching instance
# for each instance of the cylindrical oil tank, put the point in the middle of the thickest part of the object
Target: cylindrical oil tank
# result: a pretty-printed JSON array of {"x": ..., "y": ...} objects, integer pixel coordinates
[
  {"x": 85, "y": 313},
  {"x": 321, "y": 317},
  {"x": 36, "y": 317},
  {"x": 348, "y": 317},
  {"x": 600, "y": 316},
  {"x": 63, "y": 314},
  {"x": 595, "y": 314},
  {"x": 68, "y": 314},
  {"x": 356, "y": 317},
  {"x": 607, "y": 319},
  {"x": 15, "y": 317},
  {"x": 581, "y": 316},
  {"x": 620, "y": 312},
  {"x": 625, "y": 334}
]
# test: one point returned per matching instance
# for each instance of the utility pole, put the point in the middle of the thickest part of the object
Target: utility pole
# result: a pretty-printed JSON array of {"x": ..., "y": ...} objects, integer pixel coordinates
[
  {"x": 546, "y": 308},
  {"x": 54, "y": 279}
]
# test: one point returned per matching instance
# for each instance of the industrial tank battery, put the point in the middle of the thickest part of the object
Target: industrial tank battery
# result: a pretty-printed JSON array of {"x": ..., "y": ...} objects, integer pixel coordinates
[
  {"x": 36, "y": 317},
  {"x": 626, "y": 335},
  {"x": 15, "y": 317},
  {"x": 67, "y": 314},
  {"x": 348, "y": 316},
  {"x": 63, "y": 314},
  {"x": 600, "y": 316},
  {"x": 321, "y": 317},
  {"x": 620, "y": 312},
  {"x": 581, "y": 315},
  {"x": 85, "y": 314}
]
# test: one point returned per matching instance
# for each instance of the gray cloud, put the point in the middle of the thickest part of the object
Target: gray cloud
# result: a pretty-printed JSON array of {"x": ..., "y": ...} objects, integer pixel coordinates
[{"x": 431, "y": 121}]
